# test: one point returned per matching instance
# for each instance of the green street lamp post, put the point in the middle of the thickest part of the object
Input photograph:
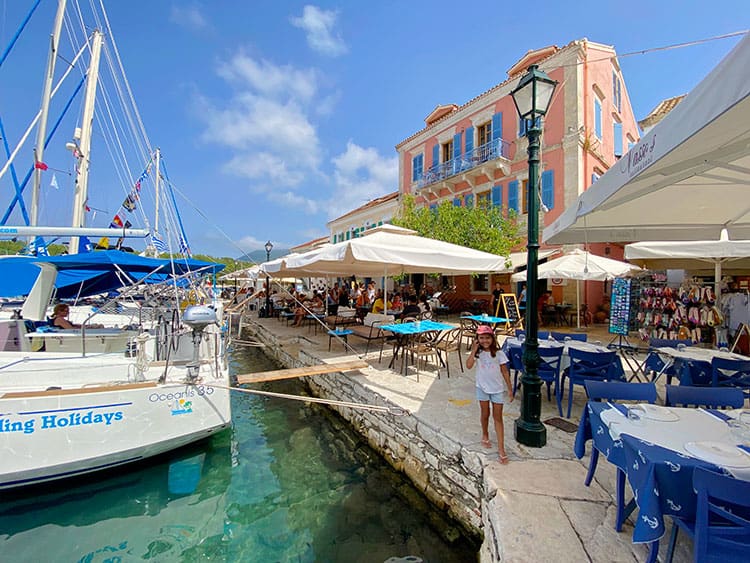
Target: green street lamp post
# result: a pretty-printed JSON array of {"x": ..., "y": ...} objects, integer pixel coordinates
[
  {"x": 532, "y": 98},
  {"x": 269, "y": 248}
]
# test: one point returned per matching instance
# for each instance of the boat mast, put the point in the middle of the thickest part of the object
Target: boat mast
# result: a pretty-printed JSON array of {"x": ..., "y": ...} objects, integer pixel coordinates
[
  {"x": 46, "y": 95},
  {"x": 157, "y": 157},
  {"x": 84, "y": 149}
]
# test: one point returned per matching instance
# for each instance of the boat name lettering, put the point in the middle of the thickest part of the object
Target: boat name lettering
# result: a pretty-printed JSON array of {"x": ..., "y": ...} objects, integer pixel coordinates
[
  {"x": 199, "y": 390},
  {"x": 8, "y": 230},
  {"x": 49, "y": 421}
]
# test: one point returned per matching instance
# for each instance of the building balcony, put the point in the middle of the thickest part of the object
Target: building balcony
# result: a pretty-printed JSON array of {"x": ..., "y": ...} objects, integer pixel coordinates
[{"x": 469, "y": 167}]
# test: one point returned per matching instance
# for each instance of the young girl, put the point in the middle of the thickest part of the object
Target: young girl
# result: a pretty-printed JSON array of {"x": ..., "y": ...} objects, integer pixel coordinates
[{"x": 493, "y": 385}]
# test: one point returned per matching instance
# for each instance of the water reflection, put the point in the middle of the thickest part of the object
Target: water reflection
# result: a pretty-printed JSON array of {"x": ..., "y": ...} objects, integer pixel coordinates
[{"x": 287, "y": 483}]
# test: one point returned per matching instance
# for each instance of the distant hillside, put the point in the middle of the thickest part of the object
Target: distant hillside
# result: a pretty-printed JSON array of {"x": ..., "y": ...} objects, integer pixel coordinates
[{"x": 258, "y": 256}]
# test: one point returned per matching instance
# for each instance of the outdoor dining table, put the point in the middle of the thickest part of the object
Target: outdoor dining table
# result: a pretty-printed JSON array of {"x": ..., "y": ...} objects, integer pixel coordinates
[
  {"x": 405, "y": 331},
  {"x": 566, "y": 345},
  {"x": 658, "y": 453},
  {"x": 486, "y": 319},
  {"x": 692, "y": 353}
]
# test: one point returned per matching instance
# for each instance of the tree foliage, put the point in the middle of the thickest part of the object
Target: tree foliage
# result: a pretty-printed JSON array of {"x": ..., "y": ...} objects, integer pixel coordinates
[{"x": 480, "y": 228}]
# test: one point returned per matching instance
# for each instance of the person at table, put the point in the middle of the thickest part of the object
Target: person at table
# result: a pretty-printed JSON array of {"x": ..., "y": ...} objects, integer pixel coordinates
[
  {"x": 398, "y": 304},
  {"x": 522, "y": 299},
  {"x": 545, "y": 300},
  {"x": 380, "y": 304},
  {"x": 492, "y": 386},
  {"x": 424, "y": 306},
  {"x": 344, "y": 297},
  {"x": 412, "y": 308},
  {"x": 496, "y": 293}
]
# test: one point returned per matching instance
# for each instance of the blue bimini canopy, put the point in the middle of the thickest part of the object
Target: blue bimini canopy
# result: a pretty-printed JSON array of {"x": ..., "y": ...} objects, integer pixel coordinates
[{"x": 91, "y": 273}]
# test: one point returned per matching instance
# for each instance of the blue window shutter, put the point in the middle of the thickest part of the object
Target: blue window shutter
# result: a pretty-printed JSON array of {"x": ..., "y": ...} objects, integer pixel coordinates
[
  {"x": 433, "y": 207},
  {"x": 598, "y": 118},
  {"x": 618, "y": 138},
  {"x": 521, "y": 127},
  {"x": 469, "y": 200},
  {"x": 630, "y": 145},
  {"x": 456, "y": 202},
  {"x": 497, "y": 126},
  {"x": 594, "y": 177},
  {"x": 469, "y": 140},
  {"x": 436, "y": 154},
  {"x": 456, "y": 145},
  {"x": 513, "y": 195},
  {"x": 416, "y": 167},
  {"x": 497, "y": 195},
  {"x": 548, "y": 188}
]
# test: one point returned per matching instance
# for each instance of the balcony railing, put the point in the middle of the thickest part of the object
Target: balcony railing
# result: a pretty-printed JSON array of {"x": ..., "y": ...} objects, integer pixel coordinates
[{"x": 472, "y": 159}]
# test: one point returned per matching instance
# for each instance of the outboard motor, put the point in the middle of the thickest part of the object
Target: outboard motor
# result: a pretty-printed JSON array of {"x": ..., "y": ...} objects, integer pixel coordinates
[{"x": 197, "y": 317}]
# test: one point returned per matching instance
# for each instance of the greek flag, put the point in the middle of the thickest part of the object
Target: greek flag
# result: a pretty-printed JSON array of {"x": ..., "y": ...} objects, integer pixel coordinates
[
  {"x": 184, "y": 248},
  {"x": 159, "y": 244}
]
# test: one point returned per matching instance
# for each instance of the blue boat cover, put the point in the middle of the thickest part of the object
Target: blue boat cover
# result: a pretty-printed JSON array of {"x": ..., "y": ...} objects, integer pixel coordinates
[{"x": 91, "y": 273}]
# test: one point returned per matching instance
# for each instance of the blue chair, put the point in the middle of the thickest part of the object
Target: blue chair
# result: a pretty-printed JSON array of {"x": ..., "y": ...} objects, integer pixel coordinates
[
  {"x": 599, "y": 366},
  {"x": 693, "y": 372},
  {"x": 731, "y": 373},
  {"x": 515, "y": 356},
  {"x": 542, "y": 335},
  {"x": 708, "y": 397},
  {"x": 520, "y": 334},
  {"x": 655, "y": 364},
  {"x": 562, "y": 336},
  {"x": 549, "y": 370},
  {"x": 721, "y": 531},
  {"x": 617, "y": 391}
]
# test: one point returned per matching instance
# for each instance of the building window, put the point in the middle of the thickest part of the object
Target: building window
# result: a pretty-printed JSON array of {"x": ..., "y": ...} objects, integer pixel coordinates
[
  {"x": 617, "y": 131},
  {"x": 417, "y": 167},
  {"x": 447, "y": 151},
  {"x": 469, "y": 201},
  {"x": 597, "y": 117},
  {"x": 484, "y": 200},
  {"x": 524, "y": 196},
  {"x": 481, "y": 282},
  {"x": 484, "y": 133},
  {"x": 456, "y": 202},
  {"x": 616, "y": 91}
]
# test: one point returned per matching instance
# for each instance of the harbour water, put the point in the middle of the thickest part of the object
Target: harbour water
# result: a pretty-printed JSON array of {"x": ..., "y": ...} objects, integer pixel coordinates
[{"x": 289, "y": 482}]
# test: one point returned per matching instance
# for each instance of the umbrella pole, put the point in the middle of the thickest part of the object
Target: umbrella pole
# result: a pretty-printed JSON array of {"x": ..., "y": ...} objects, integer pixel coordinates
[
  {"x": 717, "y": 281},
  {"x": 578, "y": 304}
]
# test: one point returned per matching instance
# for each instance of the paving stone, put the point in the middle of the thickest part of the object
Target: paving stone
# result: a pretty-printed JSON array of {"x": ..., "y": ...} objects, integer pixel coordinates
[
  {"x": 558, "y": 478},
  {"x": 595, "y": 525},
  {"x": 532, "y": 527}
]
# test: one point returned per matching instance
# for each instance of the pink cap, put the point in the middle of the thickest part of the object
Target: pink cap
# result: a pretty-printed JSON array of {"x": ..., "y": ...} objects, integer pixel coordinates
[{"x": 484, "y": 329}]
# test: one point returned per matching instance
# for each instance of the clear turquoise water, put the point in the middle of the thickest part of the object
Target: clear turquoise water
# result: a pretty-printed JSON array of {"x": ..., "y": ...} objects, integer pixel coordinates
[{"x": 289, "y": 482}]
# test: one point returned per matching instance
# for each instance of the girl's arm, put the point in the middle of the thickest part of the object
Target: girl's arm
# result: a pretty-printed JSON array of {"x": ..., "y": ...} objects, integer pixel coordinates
[
  {"x": 473, "y": 354},
  {"x": 506, "y": 376}
]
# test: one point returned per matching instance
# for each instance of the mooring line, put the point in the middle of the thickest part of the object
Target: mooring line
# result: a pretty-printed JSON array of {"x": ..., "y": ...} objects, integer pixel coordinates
[{"x": 396, "y": 411}]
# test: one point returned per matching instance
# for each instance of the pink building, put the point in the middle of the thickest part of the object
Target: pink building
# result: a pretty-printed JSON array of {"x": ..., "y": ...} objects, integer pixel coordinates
[{"x": 475, "y": 153}]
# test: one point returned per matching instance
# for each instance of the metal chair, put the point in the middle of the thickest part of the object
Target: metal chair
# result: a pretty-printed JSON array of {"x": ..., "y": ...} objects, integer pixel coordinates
[
  {"x": 617, "y": 391},
  {"x": 707, "y": 397},
  {"x": 468, "y": 329},
  {"x": 515, "y": 357},
  {"x": 721, "y": 531},
  {"x": 549, "y": 371},
  {"x": 693, "y": 372},
  {"x": 731, "y": 373},
  {"x": 600, "y": 366},
  {"x": 449, "y": 341}
]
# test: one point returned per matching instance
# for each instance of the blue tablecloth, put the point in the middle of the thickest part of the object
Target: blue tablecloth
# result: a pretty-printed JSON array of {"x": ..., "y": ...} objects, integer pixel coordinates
[
  {"x": 487, "y": 319},
  {"x": 416, "y": 327},
  {"x": 661, "y": 478}
]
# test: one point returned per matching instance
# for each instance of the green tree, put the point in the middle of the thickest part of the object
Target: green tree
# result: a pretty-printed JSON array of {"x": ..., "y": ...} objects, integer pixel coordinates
[{"x": 480, "y": 228}]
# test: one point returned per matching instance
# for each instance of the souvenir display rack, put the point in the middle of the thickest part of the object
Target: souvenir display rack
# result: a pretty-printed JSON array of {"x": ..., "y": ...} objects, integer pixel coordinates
[
  {"x": 622, "y": 308},
  {"x": 684, "y": 313}
]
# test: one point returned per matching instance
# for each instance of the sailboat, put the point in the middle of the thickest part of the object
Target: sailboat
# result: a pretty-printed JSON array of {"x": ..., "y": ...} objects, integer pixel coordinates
[{"x": 144, "y": 368}]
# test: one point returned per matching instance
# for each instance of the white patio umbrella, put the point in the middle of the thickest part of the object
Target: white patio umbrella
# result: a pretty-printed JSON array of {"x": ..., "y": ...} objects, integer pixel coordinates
[
  {"x": 686, "y": 179},
  {"x": 692, "y": 255},
  {"x": 389, "y": 250},
  {"x": 581, "y": 265}
]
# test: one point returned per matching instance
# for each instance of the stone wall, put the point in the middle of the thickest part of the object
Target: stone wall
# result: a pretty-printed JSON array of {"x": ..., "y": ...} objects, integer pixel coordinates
[{"x": 448, "y": 474}]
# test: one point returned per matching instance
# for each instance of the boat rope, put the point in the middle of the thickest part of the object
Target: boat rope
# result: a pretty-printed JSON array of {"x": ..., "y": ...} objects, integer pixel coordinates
[
  {"x": 255, "y": 343},
  {"x": 396, "y": 411}
]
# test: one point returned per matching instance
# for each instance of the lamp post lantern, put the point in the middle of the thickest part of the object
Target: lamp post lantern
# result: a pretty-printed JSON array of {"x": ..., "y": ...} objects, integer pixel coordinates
[
  {"x": 532, "y": 98},
  {"x": 269, "y": 248}
]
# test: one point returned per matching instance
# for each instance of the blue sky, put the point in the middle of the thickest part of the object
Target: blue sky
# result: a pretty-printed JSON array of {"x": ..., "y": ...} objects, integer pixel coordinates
[{"x": 274, "y": 117}]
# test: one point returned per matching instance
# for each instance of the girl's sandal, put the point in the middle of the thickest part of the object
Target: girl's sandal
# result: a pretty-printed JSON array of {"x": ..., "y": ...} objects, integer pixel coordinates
[
  {"x": 503, "y": 459},
  {"x": 486, "y": 443}
]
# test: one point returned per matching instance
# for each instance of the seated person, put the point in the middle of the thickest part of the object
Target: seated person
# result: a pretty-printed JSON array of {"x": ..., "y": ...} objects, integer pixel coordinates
[
  {"x": 59, "y": 317},
  {"x": 411, "y": 309},
  {"x": 60, "y": 320},
  {"x": 397, "y": 303},
  {"x": 424, "y": 306},
  {"x": 300, "y": 309},
  {"x": 379, "y": 305}
]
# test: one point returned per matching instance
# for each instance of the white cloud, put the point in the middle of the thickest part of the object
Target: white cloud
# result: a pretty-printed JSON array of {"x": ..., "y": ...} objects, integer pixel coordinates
[
  {"x": 319, "y": 26},
  {"x": 266, "y": 78},
  {"x": 361, "y": 174},
  {"x": 189, "y": 16}
]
